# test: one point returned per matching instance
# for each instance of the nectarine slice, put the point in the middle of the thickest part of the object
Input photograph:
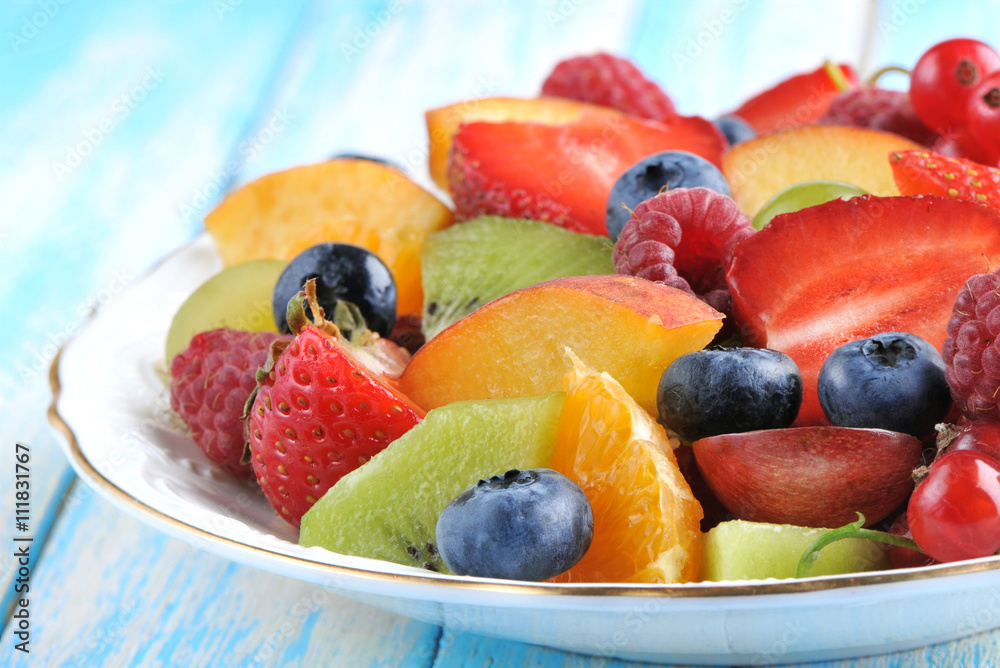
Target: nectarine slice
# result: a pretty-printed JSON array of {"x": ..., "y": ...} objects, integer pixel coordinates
[
  {"x": 757, "y": 169},
  {"x": 515, "y": 345},
  {"x": 354, "y": 201}
]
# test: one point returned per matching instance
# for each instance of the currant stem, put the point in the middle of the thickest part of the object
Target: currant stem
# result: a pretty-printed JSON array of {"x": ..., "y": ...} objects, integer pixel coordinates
[
  {"x": 873, "y": 79},
  {"x": 852, "y": 530}
]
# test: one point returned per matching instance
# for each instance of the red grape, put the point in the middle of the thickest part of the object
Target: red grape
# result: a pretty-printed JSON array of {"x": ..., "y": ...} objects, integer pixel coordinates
[
  {"x": 944, "y": 78},
  {"x": 954, "y": 513}
]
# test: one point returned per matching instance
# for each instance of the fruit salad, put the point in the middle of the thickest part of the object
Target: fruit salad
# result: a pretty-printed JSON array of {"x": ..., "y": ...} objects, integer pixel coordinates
[{"x": 625, "y": 345}]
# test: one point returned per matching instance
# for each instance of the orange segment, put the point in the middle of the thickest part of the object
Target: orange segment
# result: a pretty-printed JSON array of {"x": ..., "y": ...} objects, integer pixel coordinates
[
  {"x": 646, "y": 520},
  {"x": 353, "y": 201}
]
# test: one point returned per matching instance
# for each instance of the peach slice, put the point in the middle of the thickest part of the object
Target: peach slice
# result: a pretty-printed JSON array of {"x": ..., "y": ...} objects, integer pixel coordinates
[
  {"x": 354, "y": 201},
  {"x": 515, "y": 346},
  {"x": 759, "y": 168},
  {"x": 443, "y": 123}
]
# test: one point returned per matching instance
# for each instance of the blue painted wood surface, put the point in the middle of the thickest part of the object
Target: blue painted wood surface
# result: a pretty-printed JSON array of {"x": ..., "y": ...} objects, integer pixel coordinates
[{"x": 122, "y": 124}]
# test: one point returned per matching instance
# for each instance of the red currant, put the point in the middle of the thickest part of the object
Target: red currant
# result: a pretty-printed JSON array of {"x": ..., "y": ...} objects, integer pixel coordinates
[
  {"x": 954, "y": 513},
  {"x": 904, "y": 557},
  {"x": 978, "y": 435},
  {"x": 944, "y": 78},
  {"x": 983, "y": 116}
]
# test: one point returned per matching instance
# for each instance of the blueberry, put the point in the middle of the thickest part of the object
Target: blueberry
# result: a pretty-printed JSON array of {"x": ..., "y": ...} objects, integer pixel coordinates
[
  {"x": 646, "y": 178},
  {"x": 890, "y": 381},
  {"x": 524, "y": 525},
  {"x": 343, "y": 273},
  {"x": 735, "y": 129},
  {"x": 729, "y": 390}
]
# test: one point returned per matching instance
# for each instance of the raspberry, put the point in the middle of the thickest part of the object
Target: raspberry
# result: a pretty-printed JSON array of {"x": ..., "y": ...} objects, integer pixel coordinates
[
  {"x": 684, "y": 238},
  {"x": 210, "y": 383},
  {"x": 972, "y": 351},
  {"x": 609, "y": 81},
  {"x": 879, "y": 109}
]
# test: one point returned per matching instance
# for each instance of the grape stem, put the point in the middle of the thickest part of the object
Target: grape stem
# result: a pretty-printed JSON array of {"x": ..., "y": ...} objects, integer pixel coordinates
[{"x": 852, "y": 530}]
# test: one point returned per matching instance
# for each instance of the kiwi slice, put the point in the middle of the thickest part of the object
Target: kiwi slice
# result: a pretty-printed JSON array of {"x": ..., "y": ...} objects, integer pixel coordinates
[
  {"x": 467, "y": 265},
  {"x": 238, "y": 297},
  {"x": 388, "y": 508},
  {"x": 740, "y": 550}
]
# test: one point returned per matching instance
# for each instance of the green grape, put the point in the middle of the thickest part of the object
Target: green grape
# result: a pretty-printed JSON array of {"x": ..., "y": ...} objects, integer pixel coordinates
[
  {"x": 803, "y": 195},
  {"x": 238, "y": 297}
]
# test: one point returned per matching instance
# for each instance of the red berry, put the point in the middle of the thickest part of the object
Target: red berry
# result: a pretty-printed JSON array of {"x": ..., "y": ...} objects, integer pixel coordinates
[
  {"x": 688, "y": 233},
  {"x": 798, "y": 100},
  {"x": 904, "y": 557},
  {"x": 609, "y": 81},
  {"x": 983, "y": 116},
  {"x": 573, "y": 165},
  {"x": 972, "y": 350},
  {"x": 930, "y": 173},
  {"x": 210, "y": 382},
  {"x": 979, "y": 436},
  {"x": 945, "y": 77},
  {"x": 318, "y": 415},
  {"x": 879, "y": 109},
  {"x": 954, "y": 513}
]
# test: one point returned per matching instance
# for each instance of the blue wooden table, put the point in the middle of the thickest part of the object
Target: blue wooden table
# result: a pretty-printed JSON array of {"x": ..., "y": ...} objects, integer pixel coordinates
[{"x": 122, "y": 124}]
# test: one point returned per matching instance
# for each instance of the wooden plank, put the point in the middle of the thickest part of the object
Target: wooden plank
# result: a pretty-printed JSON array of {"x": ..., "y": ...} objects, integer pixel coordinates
[
  {"x": 114, "y": 115},
  {"x": 111, "y": 591}
]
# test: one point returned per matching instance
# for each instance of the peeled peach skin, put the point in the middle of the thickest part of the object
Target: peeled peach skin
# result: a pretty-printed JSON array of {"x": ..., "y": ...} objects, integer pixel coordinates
[
  {"x": 515, "y": 346},
  {"x": 757, "y": 169},
  {"x": 443, "y": 123}
]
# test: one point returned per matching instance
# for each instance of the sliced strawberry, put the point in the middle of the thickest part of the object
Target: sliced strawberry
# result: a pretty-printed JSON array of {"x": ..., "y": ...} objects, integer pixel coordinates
[
  {"x": 929, "y": 173},
  {"x": 563, "y": 173},
  {"x": 815, "y": 279},
  {"x": 799, "y": 100},
  {"x": 323, "y": 407}
]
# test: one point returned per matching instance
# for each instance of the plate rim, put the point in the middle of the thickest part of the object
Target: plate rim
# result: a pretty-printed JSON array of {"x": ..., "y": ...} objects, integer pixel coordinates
[{"x": 228, "y": 546}]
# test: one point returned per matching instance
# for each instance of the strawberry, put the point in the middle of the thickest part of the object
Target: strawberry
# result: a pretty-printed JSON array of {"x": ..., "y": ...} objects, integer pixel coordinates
[
  {"x": 815, "y": 279},
  {"x": 323, "y": 407},
  {"x": 562, "y": 173},
  {"x": 929, "y": 173},
  {"x": 798, "y": 100}
]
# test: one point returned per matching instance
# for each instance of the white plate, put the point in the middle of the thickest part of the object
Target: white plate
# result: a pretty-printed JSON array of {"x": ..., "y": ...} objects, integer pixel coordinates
[{"x": 121, "y": 437}]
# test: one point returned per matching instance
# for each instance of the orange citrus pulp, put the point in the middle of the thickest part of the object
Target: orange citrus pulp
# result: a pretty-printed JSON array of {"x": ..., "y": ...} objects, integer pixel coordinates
[{"x": 646, "y": 520}]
